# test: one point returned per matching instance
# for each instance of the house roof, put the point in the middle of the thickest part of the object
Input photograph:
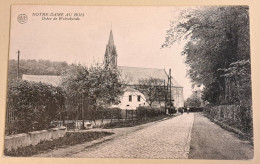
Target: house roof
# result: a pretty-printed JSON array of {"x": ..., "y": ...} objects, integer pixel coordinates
[
  {"x": 47, "y": 79},
  {"x": 132, "y": 75}
]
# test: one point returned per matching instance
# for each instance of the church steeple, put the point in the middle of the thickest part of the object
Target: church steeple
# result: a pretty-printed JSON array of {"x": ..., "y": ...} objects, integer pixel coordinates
[
  {"x": 110, "y": 60},
  {"x": 111, "y": 39}
]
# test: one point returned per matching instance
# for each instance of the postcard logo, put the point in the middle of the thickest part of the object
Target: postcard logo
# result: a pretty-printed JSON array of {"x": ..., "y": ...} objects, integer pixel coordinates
[{"x": 22, "y": 18}]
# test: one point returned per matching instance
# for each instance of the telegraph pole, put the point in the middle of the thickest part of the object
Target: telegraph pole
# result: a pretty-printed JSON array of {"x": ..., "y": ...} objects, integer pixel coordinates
[
  {"x": 18, "y": 62},
  {"x": 83, "y": 118},
  {"x": 170, "y": 78},
  {"x": 165, "y": 96}
]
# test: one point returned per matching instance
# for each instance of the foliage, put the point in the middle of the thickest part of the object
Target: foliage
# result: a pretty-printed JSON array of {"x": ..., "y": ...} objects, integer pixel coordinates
[
  {"x": 238, "y": 117},
  {"x": 69, "y": 139},
  {"x": 152, "y": 88},
  {"x": 35, "y": 67},
  {"x": 238, "y": 82},
  {"x": 35, "y": 104},
  {"x": 150, "y": 112},
  {"x": 108, "y": 113},
  {"x": 215, "y": 37},
  {"x": 131, "y": 123},
  {"x": 99, "y": 86},
  {"x": 193, "y": 101}
]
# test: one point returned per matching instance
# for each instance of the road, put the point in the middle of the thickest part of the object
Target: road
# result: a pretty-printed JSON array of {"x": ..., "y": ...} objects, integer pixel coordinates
[
  {"x": 185, "y": 136},
  {"x": 166, "y": 139}
]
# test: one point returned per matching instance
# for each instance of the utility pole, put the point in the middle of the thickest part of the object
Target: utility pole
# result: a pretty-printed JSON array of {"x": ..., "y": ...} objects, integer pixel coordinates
[
  {"x": 170, "y": 77},
  {"x": 83, "y": 118},
  {"x": 18, "y": 62},
  {"x": 165, "y": 96}
]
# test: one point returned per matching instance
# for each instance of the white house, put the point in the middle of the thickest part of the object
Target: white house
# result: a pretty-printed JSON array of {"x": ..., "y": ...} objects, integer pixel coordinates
[{"x": 131, "y": 99}]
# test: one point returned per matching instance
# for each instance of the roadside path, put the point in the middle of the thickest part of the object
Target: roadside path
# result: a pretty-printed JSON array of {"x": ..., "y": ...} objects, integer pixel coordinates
[
  {"x": 165, "y": 139},
  {"x": 209, "y": 141}
]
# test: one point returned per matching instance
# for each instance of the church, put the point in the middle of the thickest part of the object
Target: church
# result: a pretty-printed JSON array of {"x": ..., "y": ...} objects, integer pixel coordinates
[{"x": 131, "y": 98}]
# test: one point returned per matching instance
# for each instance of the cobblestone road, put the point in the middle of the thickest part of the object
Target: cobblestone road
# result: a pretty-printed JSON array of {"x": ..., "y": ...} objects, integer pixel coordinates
[{"x": 166, "y": 139}]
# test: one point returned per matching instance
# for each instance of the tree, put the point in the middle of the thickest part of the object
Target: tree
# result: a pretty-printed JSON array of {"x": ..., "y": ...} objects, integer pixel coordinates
[
  {"x": 238, "y": 83},
  {"x": 100, "y": 86},
  {"x": 35, "y": 67},
  {"x": 96, "y": 86},
  {"x": 152, "y": 89},
  {"x": 193, "y": 101},
  {"x": 215, "y": 37}
]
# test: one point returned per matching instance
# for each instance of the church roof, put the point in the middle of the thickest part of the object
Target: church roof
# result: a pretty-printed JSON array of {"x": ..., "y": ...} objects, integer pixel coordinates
[{"x": 132, "y": 75}]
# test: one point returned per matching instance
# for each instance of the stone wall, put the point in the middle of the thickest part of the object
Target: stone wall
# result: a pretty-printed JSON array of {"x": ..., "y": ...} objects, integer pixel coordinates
[{"x": 33, "y": 138}]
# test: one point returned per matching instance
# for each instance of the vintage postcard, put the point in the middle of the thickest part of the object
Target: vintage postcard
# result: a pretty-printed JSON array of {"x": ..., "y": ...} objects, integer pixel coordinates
[{"x": 141, "y": 82}]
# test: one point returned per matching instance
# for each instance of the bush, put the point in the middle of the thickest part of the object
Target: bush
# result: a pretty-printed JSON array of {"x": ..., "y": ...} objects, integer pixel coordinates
[
  {"x": 35, "y": 104},
  {"x": 107, "y": 113},
  {"x": 143, "y": 112},
  {"x": 196, "y": 109},
  {"x": 239, "y": 117}
]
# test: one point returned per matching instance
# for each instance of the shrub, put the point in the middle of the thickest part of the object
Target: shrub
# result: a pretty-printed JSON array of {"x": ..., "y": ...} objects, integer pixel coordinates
[
  {"x": 35, "y": 104},
  {"x": 143, "y": 112},
  {"x": 239, "y": 117},
  {"x": 106, "y": 113}
]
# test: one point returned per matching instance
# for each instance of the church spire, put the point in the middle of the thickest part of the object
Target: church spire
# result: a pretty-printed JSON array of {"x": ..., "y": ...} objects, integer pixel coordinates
[
  {"x": 110, "y": 60},
  {"x": 111, "y": 39}
]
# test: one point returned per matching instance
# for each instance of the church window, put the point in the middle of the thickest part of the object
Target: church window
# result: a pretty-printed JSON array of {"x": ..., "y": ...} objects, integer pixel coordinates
[
  {"x": 130, "y": 97},
  {"x": 138, "y": 98}
]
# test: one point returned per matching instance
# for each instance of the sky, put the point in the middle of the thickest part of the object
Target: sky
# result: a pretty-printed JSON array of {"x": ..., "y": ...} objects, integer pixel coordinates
[{"x": 138, "y": 34}]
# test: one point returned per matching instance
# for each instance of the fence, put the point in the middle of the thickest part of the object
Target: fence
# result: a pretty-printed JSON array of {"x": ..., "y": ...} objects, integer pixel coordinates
[
  {"x": 238, "y": 117},
  {"x": 38, "y": 109},
  {"x": 100, "y": 117},
  {"x": 74, "y": 113},
  {"x": 10, "y": 118}
]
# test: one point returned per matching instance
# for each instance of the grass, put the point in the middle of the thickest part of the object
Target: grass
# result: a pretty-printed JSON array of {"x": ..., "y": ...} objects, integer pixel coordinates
[
  {"x": 132, "y": 123},
  {"x": 69, "y": 139},
  {"x": 227, "y": 125}
]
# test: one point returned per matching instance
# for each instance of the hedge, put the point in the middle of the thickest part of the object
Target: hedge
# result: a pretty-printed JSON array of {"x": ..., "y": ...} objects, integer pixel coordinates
[
  {"x": 148, "y": 111},
  {"x": 35, "y": 105},
  {"x": 239, "y": 117},
  {"x": 105, "y": 113}
]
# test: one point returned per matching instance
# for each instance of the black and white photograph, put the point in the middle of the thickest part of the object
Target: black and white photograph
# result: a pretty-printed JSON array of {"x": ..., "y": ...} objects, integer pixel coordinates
[{"x": 138, "y": 82}]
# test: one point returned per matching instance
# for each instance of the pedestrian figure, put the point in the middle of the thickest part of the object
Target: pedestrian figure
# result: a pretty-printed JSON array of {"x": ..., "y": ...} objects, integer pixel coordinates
[{"x": 181, "y": 110}]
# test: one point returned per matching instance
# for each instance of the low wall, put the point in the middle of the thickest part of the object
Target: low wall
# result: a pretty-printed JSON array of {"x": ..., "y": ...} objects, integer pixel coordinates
[{"x": 33, "y": 138}]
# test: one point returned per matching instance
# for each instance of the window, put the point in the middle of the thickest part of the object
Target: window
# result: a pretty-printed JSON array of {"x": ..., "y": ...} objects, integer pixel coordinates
[
  {"x": 138, "y": 98},
  {"x": 130, "y": 97}
]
